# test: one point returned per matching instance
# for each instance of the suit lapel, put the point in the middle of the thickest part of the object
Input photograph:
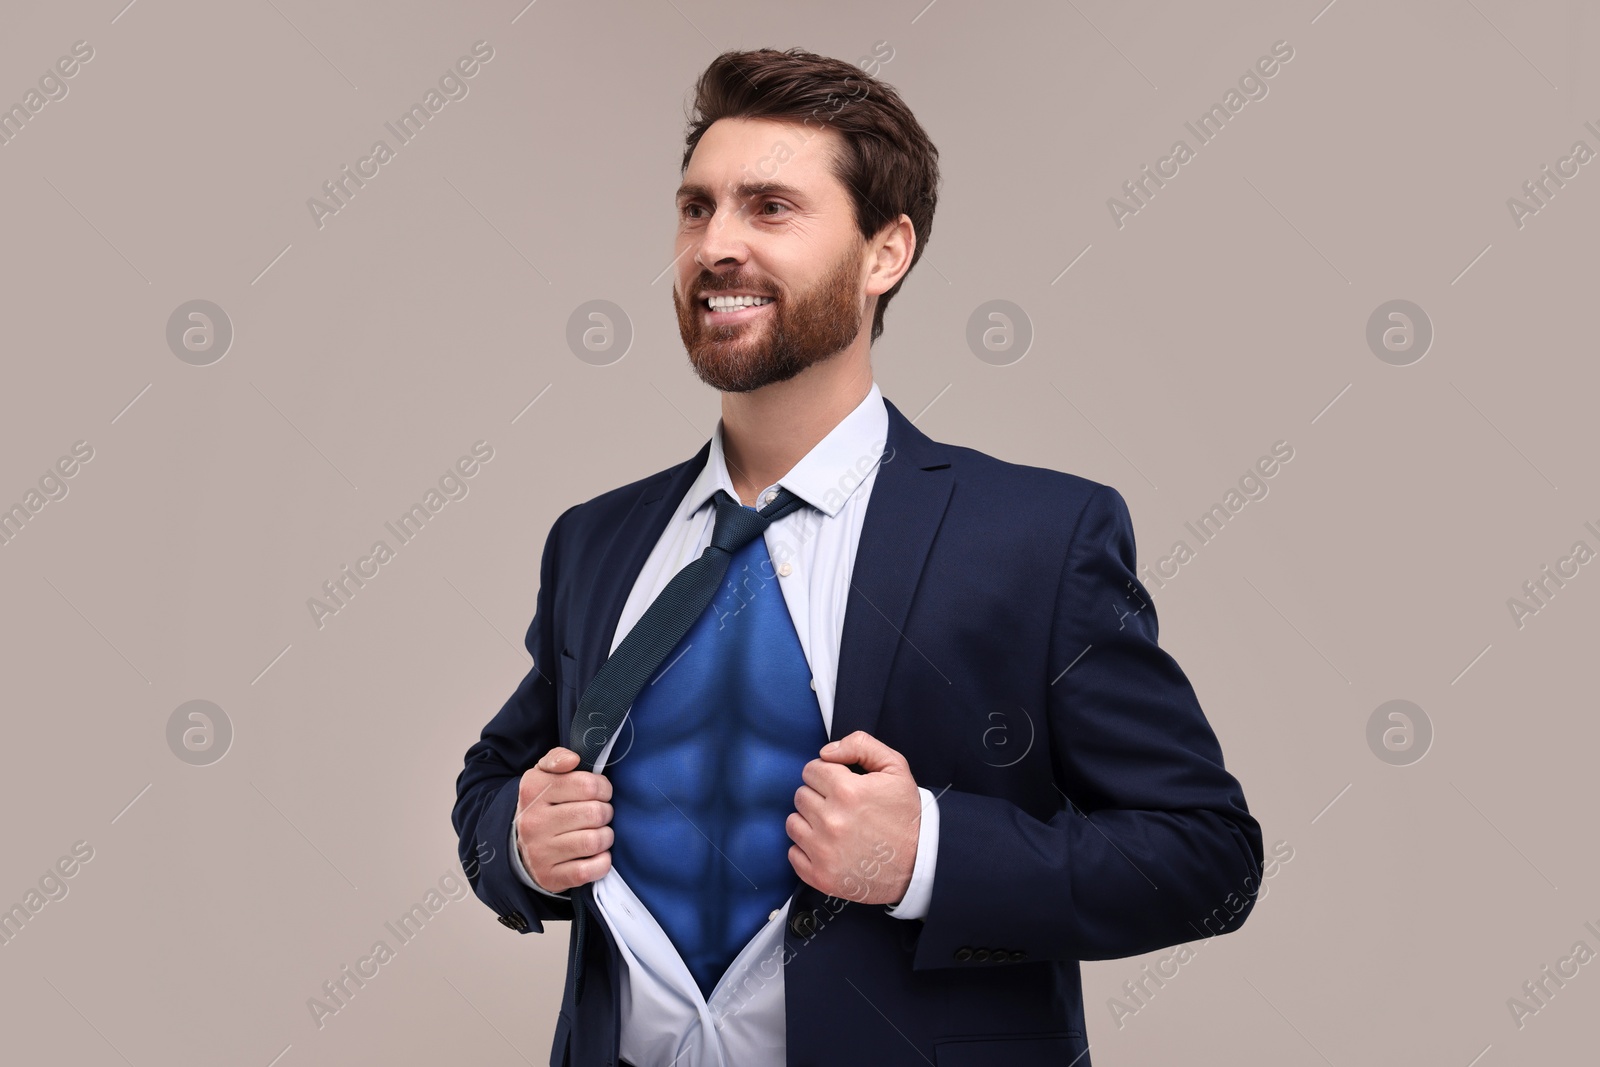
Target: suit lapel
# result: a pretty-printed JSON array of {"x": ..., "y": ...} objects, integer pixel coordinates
[{"x": 907, "y": 504}]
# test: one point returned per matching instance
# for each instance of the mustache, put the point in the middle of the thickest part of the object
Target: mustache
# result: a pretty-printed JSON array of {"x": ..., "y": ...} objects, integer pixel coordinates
[{"x": 728, "y": 286}]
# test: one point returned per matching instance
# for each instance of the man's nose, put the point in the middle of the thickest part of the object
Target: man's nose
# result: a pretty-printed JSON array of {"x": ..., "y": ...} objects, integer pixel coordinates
[{"x": 722, "y": 240}]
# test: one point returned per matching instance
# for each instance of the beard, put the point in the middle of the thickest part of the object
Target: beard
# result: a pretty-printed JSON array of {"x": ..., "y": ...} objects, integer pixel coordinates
[{"x": 797, "y": 332}]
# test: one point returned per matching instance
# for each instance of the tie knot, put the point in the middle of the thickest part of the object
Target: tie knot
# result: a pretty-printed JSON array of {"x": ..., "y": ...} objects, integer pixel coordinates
[{"x": 737, "y": 525}]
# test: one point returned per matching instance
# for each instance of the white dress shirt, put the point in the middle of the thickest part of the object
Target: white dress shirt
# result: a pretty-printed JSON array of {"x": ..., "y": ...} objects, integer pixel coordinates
[{"x": 665, "y": 1018}]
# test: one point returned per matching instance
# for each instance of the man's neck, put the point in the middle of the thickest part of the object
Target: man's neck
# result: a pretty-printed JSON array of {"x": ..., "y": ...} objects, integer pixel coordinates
[{"x": 767, "y": 431}]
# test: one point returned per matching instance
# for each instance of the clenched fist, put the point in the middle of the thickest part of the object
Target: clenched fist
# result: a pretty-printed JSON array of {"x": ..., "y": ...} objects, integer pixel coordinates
[
  {"x": 563, "y": 822},
  {"x": 855, "y": 834}
]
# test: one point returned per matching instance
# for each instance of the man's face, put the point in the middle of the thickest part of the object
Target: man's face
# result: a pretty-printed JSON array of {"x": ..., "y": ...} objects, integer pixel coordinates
[{"x": 760, "y": 213}]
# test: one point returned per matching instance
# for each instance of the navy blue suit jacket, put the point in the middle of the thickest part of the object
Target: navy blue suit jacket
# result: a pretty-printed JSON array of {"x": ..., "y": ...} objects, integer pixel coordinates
[{"x": 997, "y": 636}]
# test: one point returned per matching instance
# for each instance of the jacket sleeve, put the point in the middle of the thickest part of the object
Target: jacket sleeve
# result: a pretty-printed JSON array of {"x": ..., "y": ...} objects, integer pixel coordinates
[
  {"x": 486, "y": 789},
  {"x": 1153, "y": 845}
]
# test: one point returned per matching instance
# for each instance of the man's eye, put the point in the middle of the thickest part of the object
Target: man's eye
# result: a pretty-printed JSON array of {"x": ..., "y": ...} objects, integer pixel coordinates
[{"x": 697, "y": 211}]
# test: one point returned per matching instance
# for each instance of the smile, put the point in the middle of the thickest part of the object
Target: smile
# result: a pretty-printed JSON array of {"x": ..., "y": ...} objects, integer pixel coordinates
[{"x": 734, "y": 308}]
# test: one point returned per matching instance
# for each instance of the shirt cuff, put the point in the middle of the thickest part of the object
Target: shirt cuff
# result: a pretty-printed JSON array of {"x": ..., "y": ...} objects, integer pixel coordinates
[
  {"x": 527, "y": 879},
  {"x": 919, "y": 894}
]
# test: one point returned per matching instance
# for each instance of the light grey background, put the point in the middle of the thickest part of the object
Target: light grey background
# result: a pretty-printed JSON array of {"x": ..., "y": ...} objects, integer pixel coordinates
[{"x": 430, "y": 312}]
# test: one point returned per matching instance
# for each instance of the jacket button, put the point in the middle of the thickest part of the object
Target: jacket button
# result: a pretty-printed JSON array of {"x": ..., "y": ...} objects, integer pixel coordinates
[
  {"x": 1018, "y": 956},
  {"x": 981, "y": 955},
  {"x": 803, "y": 924},
  {"x": 963, "y": 953},
  {"x": 515, "y": 921}
]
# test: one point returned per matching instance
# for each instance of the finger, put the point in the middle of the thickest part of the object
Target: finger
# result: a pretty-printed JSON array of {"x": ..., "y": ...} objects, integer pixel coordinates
[
  {"x": 800, "y": 862},
  {"x": 818, "y": 775},
  {"x": 578, "y": 844},
  {"x": 534, "y": 786},
  {"x": 825, "y": 778},
  {"x": 536, "y": 780},
  {"x": 578, "y": 815},
  {"x": 558, "y": 761},
  {"x": 539, "y": 826},
  {"x": 808, "y": 803},
  {"x": 862, "y": 748},
  {"x": 543, "y": 853},
  {"x": 589, "y": 784},
  {"x": 797, "y": 828},
  {"x": 565, "y": 848},
  {"x": 566, "y": 875},
  {"x": 577, "y": 786}
]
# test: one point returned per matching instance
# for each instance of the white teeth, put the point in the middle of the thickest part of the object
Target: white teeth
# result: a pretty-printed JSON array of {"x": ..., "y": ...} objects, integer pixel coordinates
[{"x": 730, "y": 303}]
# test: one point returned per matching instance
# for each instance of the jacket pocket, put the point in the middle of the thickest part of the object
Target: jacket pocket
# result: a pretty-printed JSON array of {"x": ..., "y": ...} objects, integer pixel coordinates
[{"x": 568, "y": 669}]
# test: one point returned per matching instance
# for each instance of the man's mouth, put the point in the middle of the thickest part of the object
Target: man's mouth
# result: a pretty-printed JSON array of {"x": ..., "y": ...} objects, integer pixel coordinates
[{"x": 720, "y": 309}]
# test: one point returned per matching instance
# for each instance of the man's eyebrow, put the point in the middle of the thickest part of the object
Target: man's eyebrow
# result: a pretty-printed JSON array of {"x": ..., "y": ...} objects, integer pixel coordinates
[{"x": 746, "y": 191}]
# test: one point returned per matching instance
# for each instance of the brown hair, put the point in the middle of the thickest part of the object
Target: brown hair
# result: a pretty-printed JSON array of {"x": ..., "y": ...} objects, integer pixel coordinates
[{"x": 888, "y": 164}]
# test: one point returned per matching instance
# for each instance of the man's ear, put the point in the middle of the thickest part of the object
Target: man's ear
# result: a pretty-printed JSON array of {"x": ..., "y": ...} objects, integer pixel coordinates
[{"x": 890, "y": 255}]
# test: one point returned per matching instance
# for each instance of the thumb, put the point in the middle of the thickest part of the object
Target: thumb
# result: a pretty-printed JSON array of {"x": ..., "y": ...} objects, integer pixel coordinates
[
  {"x": 559, "y": 761},
  {"x": 862, "y": 748}
]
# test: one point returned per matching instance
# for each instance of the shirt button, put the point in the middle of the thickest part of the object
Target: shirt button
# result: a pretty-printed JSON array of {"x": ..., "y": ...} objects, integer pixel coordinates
[
  {"x": 813, "y": 684},
  {"x": 770, "y": 497},
  {"x": 773, "y": 914},
  {"x": 784, "y": 570}
]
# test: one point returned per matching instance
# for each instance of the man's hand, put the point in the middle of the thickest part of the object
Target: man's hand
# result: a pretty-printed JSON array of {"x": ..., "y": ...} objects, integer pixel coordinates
[
  {"x": 854, "y": 834},
  {"x": 563, "y": 822}
]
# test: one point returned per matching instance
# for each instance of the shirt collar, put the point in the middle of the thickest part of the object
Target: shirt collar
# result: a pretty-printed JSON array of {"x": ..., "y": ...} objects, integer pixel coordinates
[{"x": 826, "y": 476}]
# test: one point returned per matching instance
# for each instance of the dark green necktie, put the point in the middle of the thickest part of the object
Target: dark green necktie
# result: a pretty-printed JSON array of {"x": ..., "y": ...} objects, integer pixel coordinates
[
  {"x": 651, "y": 640},
  {"x": 607, "y": 698}
]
